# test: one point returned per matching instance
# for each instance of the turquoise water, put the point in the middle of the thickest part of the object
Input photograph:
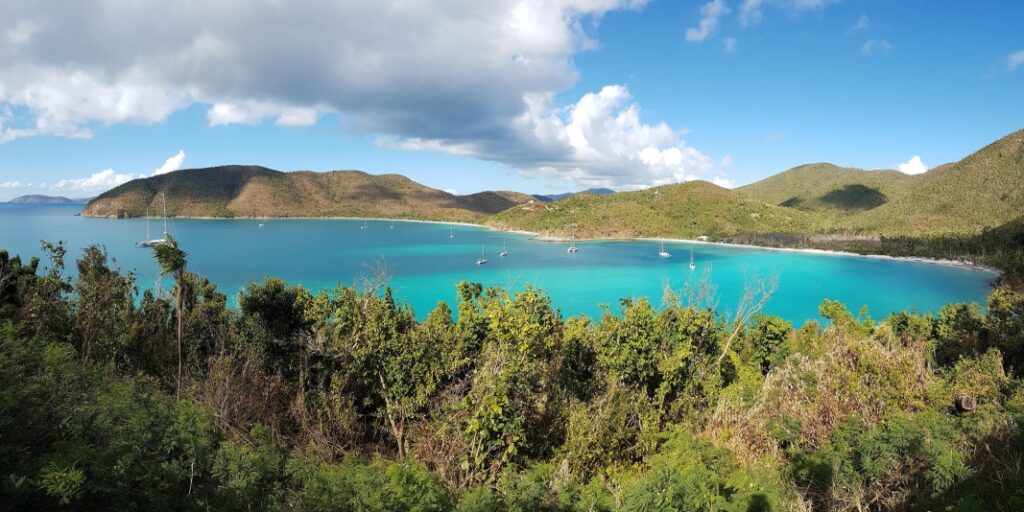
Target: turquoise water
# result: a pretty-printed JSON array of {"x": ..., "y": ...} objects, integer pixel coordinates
[{"x": 425, "y": 263}]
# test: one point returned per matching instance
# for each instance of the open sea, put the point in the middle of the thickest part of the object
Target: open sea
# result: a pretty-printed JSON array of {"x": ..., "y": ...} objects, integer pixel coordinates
[{"x": 424, "y": 263}]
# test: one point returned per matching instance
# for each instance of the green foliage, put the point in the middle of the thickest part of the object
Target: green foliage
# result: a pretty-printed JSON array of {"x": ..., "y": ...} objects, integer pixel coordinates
[
  {"x": 367, "y": 487},
  {"x": 691, "y": 475},
  {"x": 343, "y": 400}
]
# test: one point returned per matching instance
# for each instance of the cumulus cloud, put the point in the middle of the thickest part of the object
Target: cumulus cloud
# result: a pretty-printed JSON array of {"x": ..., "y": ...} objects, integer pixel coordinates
[
  {"x": 456, "y": 76},
  {"x": 444, "y": 67},
  {"x": 10, "y": 184},
  {"x": 98, "y": 182},
  {"x": 171, "y": 164},
  {"x": 723, "y": 182},
  {"x": 1014, "y": 60},
  {"x": 913, "y": 166},
  {"x": 599, "y": 141},
  {"x": 873, "y": 46},
  {"x": 709, "y": 14}
]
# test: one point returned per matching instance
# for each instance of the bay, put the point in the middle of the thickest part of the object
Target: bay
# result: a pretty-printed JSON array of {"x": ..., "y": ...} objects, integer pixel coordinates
[{"x": 424, "y": 263}]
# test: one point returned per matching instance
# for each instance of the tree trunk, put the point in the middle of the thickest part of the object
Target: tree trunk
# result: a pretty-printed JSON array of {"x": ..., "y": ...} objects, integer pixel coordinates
[{"x": 177, "y": 395}]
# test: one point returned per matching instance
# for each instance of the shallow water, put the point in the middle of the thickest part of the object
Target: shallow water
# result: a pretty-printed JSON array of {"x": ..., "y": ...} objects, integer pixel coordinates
[{"x": 425, "y": 263}]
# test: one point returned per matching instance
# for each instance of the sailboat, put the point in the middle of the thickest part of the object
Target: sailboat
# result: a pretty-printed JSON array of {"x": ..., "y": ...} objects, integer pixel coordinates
[
  {"x": 150, "y": 241},
  {"x": 364, "y": 225},
  {"x": 692, "y": 265},
  {"x": 663, "y": 253},
  {"x": 504, "y": 251},
  {"x": 263, "y": 222},
  {"x": 482, "y": 260},
  {"x": 451, "y": 233},
  {"x": 392, "y": 225},
  {"x": 572, "y": 245}
]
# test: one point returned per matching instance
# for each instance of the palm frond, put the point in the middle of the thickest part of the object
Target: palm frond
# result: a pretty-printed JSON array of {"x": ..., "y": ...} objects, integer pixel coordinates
[{"x": 170, "y": 256}]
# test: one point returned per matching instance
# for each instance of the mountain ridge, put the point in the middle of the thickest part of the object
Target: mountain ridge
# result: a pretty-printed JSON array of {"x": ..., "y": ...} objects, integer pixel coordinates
[{"x": 256, "y": 191}]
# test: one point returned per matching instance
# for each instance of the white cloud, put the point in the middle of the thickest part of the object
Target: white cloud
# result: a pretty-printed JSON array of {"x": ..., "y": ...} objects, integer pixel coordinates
[
  {"x": 456, "y": 76},
  {"x": 709, "y": 14},
  {"x": 599, "y": 141},
  {"x": 723, "y": 182},
  {"x": 729, "y": 44},
  {"x": 1014, "y": 60},
  {"x": 10, "y": 184},
  {"x": 452, "y": 191},
  {"x": 752, "y": 11},
  {"x": 876, "y": 46},
  {"x": 443, "y": 69},
  {"x": 98, "y": 182},
  {"x": 863, "y": 23},
  {"x": 171, "y": 164},
  {"x": 913, "y": 166}
]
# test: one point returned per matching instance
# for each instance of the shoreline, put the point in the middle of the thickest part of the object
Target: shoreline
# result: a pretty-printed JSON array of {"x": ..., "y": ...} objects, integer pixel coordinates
[
  {"x": 823, "y": 252},
  {"x": 554, "y": 239}
]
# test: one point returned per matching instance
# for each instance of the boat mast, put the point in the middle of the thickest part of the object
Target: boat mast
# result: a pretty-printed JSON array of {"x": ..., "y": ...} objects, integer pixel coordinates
[{"x": 164, "y": 198}]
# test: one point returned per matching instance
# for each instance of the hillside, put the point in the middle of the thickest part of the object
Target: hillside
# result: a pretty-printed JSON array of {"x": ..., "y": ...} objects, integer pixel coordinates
[
  {"x": 984, "y": 190},
  {"x": 252, "y": 191},
  {"x": 41, "y": 199},
  {"x": 547, "y": 198},
  {"x": 687, "y": 210},
  {"x": 825, "y": 187}
]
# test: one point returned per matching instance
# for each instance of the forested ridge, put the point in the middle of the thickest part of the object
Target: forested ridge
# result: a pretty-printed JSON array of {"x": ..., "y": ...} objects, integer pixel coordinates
[{"x": 344, "y": 401}]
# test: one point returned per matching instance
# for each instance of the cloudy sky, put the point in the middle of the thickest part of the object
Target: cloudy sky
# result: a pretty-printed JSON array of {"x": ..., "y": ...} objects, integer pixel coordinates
[{"x": 532, "y": 95}]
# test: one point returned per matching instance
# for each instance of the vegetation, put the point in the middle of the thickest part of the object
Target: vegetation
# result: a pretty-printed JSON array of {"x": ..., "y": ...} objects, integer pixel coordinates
[
  {"x": 251, "y": 191},
  {"x": 683, "y": 210},
  {"x": 964, "y": 210},
  {"x": 827, "y": 188},
  {"x": 343, "y": 401}
]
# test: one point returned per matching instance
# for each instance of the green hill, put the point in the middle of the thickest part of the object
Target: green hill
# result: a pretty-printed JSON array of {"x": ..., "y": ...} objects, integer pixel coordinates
[
  {"x": 687, "y": 210},
  {"x": 828, "y": 188},
  {"x": 984, "y": 190},
  {"x": 252, "y": 191}
]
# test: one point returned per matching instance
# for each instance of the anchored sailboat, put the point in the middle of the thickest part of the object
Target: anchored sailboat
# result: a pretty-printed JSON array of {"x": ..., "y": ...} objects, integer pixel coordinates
[
  {"x": 663, "y": 253},
  {"x": 572, "y": 245},
  {"x": 451, "y": 233},
  {"x": 150, "y": 241},
  {"x": 504, "y": 250},
  {"x": 482, "y": 260},
  {"x": 364, "y": 225},
  {"x": 692, "y": 265}
]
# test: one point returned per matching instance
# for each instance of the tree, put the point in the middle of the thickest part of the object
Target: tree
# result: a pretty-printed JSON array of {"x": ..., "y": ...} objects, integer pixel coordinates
[{"x": 172, "y": 260}]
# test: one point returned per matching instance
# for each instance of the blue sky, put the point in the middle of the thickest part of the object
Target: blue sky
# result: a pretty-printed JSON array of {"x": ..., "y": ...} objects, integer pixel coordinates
[{"x": 518, "y": 94}]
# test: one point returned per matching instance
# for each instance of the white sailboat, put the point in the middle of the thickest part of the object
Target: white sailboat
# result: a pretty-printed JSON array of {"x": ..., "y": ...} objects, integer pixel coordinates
[
  {"x": 692, "y": 265},
  {"x": 663, "y": 253},
  {"x": 504, "y": 250},
  {"x": 150, "y": 241},
  {"x": 572, "y": 245},
  {"x": 451, "y": 233},
  {"x": 392, "y": 225},
  {"x": 364, "y": 225},
  {"x": 263, "y": 222},
  {"x": 482, "y": 260}
]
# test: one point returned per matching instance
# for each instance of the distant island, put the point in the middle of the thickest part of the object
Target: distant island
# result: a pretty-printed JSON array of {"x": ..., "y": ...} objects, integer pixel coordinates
[{"x": 41, "y": 199}]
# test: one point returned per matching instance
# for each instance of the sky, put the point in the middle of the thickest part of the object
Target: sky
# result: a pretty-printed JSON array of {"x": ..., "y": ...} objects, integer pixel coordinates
[{"x": 539, "y": 96}]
